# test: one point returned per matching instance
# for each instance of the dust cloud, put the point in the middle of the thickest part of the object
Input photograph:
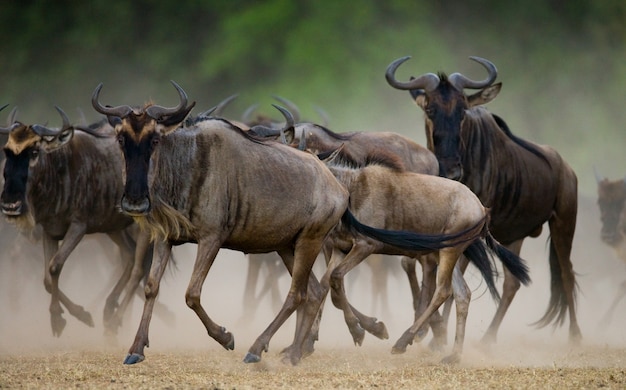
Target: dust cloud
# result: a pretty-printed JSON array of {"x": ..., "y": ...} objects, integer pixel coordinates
[{"x": 91, "y": 272}]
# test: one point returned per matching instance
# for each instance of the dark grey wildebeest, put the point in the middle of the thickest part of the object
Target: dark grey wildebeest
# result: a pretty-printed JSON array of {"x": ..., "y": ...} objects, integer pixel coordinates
[
  {"x": 386, "y": 196},
  {"x": 69, "y": 183},
  {"x": 524, "y": 184},
  {"x": 215, "y": 185},
  {"x": 611, "y": 201}
]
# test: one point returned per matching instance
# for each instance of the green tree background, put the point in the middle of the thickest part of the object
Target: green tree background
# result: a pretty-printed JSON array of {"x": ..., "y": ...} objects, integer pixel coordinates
[{"x": 562, "y": 63}]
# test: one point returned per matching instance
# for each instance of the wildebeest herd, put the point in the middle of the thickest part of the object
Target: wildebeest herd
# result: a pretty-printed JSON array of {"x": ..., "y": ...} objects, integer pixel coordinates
[{"x": 153, "y": 177}]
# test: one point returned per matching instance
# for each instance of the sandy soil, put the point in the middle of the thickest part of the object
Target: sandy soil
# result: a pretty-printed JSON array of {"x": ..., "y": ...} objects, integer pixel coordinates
[{"x": 181, "y": 354}]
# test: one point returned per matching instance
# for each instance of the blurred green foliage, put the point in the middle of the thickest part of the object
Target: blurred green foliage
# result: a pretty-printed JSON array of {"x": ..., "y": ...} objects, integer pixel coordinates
[{"x": 561, "y": 62}]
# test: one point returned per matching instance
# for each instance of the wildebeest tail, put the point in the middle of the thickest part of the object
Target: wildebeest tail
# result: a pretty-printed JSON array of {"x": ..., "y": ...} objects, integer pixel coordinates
[
  {"x": 515, "y": 264},
  {"x": 476, "y": 253},
  {"x": 411, "y": 240}
]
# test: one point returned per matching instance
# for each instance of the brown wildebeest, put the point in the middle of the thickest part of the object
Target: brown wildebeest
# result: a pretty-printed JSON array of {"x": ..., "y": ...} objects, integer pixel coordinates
[
  {"x": 386, "y": 196},
  {"x": 611, "y": 200},
  {"x": 522, "y": 183},
  {"x": 69, "y": 183},
  {"x": 320, "y": 139},
  {"x": 360, "y": 146}
]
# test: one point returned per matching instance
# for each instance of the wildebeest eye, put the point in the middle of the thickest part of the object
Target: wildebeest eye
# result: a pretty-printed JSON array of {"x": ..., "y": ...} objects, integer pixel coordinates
[
  {"x": 34, "y": 153},
  {"x": 155, "y": 141},
  {"x": 120, "y": 139},
  {"x": 430, "y": 111}
]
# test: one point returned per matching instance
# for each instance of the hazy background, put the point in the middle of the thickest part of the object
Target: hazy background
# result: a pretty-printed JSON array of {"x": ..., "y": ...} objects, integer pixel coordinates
[{"x": 561, "y": 64}]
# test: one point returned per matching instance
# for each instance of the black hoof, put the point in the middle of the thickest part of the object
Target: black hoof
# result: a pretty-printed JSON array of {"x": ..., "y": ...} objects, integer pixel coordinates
[
  {"x": 133, "y": 358},
  {"x": 251, "y": 358}
]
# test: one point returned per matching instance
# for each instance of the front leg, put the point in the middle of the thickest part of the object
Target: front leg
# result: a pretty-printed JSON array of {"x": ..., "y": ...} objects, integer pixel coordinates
[
  {"x": 207, "y": 251},
  {"x": 162, "y": 253},
  {"x": 74, "y": 234}
]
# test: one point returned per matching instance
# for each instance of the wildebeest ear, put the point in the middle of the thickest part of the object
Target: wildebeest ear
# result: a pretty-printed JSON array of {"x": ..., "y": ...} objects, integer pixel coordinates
[
  {"x": 114, "y": 120},
  {"x": 169, "y": 123},
  {"x": 485, "y": 95},
  {"x": 56, "y": 141}
]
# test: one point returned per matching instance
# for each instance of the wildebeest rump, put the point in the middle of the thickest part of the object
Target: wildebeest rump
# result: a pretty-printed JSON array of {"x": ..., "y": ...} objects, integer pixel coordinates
[
  {"x": 524, "y": 184},
  {"x": 68, "y": 182}
]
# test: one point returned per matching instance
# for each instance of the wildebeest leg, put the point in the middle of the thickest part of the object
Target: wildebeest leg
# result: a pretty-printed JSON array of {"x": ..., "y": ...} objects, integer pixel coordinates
[
  {"x": 562, "y": 227},
  {"x": 462, "y": 296},
  {"x": 443, "y": 289},
  {"x": 305, "y": 254},
  {"x": 360, "y": 250},
  {"x": 408, "y": 265},
  {"x": 162, "y": 253},
  {"x": 304, "y": 310},
  {"x": 134, "y": 276},
  {"x": 125, "y": 243},
  {"x": 74, "y": 234},
  {"x": 436, "y": 322},
  {"x": 207, "y": 251},
  {"x": 608, "y": 316},
  {"x": 510, "y": 287},
  {"x": 250, "y": 300},
  {"x": 462, "y": 264}
]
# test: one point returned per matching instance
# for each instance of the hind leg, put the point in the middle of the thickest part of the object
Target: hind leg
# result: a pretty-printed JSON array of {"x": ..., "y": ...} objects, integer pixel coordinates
[
  {"x": 564, "y": 284},
  {"x": 510, "y": 287},
  {"x": 443, "y": 289},
  {"x": 462, "y": 296}
]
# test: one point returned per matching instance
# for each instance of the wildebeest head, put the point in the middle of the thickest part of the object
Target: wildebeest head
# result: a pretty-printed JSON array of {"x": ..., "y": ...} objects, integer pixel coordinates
[
  {"x": 611, "y": 199},
  {"x": 445, "y": 104},
  {"x": 139, "y": 131},
  {"x": 22, "y": 150}
]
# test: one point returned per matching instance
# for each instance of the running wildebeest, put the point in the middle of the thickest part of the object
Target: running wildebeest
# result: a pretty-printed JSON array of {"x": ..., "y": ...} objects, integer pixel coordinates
[
  {"x": 386, "y": 196},
  {"x": 68, "y": 182},
  {"x": 213, "y": 184},
  {"x": 523, "y": 184},
  {"x": 414, "y": 157},
  {"x": 611, "y": 200}
]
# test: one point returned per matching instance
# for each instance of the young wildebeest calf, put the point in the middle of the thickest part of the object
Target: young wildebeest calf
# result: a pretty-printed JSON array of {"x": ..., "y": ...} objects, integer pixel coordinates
[
  {"x": 69, "y": 183},
  {"x": 385, "y": 196},
  {"x": 611, "y": 201},
  {"x": 360, "y": 145}
]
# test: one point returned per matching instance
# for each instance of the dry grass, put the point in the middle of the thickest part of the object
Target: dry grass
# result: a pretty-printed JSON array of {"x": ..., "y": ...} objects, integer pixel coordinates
[{"x": 353, "y": 368}]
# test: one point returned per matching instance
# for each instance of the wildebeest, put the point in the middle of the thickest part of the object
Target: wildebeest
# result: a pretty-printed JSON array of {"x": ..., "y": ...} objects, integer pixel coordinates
[
  {"x": 215, "y": 185},
  {"x": 524, "y": 184},
  {"x": 360, "y": 146},
  {"x": 68, "y": 182},
  {"x": 611, "y": 200},
  {"x": 386, "y": 196}
]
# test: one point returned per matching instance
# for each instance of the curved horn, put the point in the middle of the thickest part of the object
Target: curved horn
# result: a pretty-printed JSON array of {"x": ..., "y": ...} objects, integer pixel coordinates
[
  {"x": 217, "y": 110},
  {"x": 43, "y": 131},
  {"x": 293, "y": 109},
  {"x": 461, "y": 82},
  {"x": 245, "y": 118},
  {"x": 11, "y": 123},
  {"x": 157, "y": 112},
  {"x": 120, "y": 111},
  {"x": 427, "y": 81},
  {"x": 3, "y": 107}
]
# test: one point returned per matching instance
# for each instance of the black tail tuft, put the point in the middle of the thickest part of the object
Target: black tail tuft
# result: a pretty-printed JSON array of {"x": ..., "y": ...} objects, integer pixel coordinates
[
  {"x": 515, "y": 264},
  {"x": 476, "y": 253}
]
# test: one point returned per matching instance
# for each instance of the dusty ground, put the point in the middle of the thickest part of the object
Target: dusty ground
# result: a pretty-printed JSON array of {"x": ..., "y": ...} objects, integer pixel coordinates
[{"x": 183, "y": 356}]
